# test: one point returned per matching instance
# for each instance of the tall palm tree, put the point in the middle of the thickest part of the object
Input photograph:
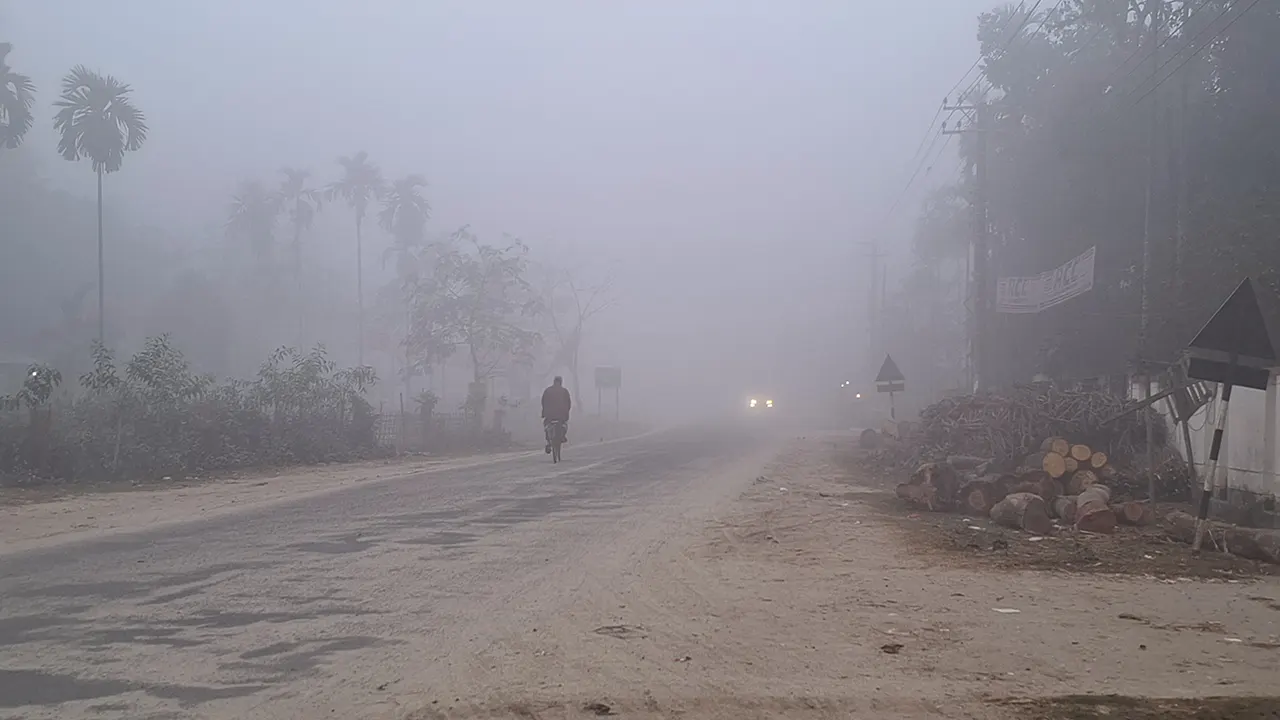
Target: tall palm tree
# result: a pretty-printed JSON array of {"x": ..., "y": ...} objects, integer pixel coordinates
[
  {"x": 252, "y": 216},
  {"x": 98, "y": 120},
  {"x": 361, "y": 183},
  {"x": 17, "y": 95},
  {"x": 302, "y": 203},
  {"x": 404, "y": 215}
]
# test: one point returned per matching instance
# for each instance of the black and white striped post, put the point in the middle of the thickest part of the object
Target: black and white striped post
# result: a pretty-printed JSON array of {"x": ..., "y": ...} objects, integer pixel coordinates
[{"x": 1215, "y": 449}]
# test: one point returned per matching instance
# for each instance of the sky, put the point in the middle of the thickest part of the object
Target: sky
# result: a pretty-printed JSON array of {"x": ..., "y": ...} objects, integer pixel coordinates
[{"x": 724, "y": 156}]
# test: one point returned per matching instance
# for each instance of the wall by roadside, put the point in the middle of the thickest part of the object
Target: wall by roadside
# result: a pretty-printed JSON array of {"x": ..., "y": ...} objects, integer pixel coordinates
[{"x": 1249, "y": 455}]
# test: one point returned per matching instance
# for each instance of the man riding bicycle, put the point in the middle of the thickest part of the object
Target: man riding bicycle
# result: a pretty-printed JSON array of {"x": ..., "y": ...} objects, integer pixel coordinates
[{"x": 555, "y": 408}]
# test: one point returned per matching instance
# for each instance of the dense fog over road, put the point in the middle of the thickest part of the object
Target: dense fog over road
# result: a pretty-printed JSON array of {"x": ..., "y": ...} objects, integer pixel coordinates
[{"x": 718, "y": 161}]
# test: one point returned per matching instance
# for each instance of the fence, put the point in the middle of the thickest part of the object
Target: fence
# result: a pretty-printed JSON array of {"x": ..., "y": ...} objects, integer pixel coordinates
[{"x": 438, "y": 433}]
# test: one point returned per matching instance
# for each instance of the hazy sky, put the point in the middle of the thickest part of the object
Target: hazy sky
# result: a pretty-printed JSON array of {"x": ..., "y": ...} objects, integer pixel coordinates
[{"x": 726, "y": 154}]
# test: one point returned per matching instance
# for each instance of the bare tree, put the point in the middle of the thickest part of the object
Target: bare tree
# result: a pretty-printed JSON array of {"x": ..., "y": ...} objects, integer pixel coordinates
[{"x": 572, "y": 304}]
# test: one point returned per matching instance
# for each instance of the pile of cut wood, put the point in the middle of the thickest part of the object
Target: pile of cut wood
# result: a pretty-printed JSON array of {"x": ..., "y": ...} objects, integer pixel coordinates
[
  {"x": 1064, "y": 480},
  {"x": 1006, "y": 425}
]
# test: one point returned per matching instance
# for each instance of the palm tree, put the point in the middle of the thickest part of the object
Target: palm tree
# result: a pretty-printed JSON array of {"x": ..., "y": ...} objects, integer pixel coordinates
[
  {"x": 17, "y": 94},
  {"x": 360, "y": 184},
  {"x": 252, "y": 216},
  {"x": 303, "y": 204},
  {"x": 404, "y": 215},
  {"x": 98, "y": 120}
]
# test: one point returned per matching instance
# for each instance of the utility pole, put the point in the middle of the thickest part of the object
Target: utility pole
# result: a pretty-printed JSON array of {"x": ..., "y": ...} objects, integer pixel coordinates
[
  {"x": 874, "y": 256},
  {"x": 1144, "y": 364},
  {"x": 981, "y": 289}
]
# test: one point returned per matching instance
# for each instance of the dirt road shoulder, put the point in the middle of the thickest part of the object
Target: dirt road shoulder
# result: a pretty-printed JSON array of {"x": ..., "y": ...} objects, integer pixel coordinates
[{"x": 804, "y": 601}]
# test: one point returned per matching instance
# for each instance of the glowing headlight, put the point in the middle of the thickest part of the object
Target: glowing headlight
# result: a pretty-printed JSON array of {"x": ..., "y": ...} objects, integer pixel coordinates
[
  {"x": 768, "y": 403},
  {"x": 857, "y": 396},
  {"x": 752, "y": 403}
]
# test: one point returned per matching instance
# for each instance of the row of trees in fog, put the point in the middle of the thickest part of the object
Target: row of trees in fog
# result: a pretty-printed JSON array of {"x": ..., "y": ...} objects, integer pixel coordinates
[
  {"x": 1110, "y": 121},
  {"x": 452, "y": 293},
  {"x": 444, "y": 296}
]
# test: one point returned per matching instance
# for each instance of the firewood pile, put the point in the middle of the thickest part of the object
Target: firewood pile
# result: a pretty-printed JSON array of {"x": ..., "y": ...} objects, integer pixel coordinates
[
  {"x": 1006, "y": 426},
  {"x": 1064, "y": 481}
]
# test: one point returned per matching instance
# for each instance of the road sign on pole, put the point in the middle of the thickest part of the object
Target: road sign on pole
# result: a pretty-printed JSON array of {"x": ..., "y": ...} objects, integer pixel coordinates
[
  {"x": 1238, "y": 346},
  {"x": 890, "y": 380}
]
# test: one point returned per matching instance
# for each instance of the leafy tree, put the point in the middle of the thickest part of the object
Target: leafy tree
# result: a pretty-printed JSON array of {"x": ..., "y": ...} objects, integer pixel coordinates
[
  {"x": 1101, "y": 109},
  {"x": 360, "y": 185},
  {"x": 17, "y": 95},
  {"x": 476, "y": 297},
  {"x": 98, "y": 120}
]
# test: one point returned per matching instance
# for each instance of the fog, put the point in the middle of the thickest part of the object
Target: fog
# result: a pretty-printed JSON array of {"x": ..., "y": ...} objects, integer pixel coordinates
[{"x": 718, "y": 162}]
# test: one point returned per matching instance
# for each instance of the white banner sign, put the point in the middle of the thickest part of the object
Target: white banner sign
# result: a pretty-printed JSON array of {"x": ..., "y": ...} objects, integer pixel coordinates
[{"x": 1035, "y": 293}]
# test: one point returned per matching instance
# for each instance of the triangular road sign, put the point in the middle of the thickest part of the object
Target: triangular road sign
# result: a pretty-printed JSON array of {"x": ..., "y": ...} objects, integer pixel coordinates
[
  {"x": 889, "y": 371},
  {"x": 1246, "y": 326}
]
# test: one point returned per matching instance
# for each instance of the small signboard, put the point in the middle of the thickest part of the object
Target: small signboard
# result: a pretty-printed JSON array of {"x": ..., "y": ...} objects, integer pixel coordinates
[
  {"x": 890, "y": 379},
  {"x": 608, "y": 378}
]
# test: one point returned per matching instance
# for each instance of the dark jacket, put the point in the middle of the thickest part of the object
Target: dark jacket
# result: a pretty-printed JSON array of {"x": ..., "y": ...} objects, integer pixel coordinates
[{"x": 556, "y": 403}]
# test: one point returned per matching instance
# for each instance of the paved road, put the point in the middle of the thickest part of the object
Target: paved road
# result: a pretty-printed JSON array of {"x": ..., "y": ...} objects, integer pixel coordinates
[{"x": 335, "y": 605}]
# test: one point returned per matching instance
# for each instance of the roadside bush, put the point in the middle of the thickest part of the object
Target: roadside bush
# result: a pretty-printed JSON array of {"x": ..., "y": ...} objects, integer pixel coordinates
[{"x": 155, "y": 418}]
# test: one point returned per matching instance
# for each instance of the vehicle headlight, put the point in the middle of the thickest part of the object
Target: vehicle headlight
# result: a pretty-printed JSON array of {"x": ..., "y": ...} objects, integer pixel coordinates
[
  {"x": 752, "y": 403},
  {"x": 768, "y": 403}
]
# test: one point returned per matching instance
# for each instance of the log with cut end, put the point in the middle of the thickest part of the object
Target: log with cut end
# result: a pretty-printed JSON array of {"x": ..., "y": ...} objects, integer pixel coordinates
[
  {"x": 1054, "y": 464},
  {"x": 1093, "y": 510},
  {"x": 1080, "y": 480},
  {"x": 1134, "y": 512},
  {"x": 1064, "y": 508},
  {"x": 1056, "y": 445},
  {"x": 1038, "y": 482},
  {"x": 1023, "y": 511},
  {"x": 1098, "y": 460},
  {"x": 981, "y": 495},
  {"x": 1081, "y": 452},
  {"x": 1071, "y": 464}
]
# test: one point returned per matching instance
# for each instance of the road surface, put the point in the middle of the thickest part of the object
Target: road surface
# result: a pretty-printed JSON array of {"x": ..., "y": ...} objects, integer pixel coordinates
[{"x": 363, "y": 602}]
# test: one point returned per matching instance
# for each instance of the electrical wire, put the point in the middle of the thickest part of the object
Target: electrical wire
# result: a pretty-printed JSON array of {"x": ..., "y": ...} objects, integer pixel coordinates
[
  {"x": 1197, "y": 52},
  {"x": 1106, "y": 82}
]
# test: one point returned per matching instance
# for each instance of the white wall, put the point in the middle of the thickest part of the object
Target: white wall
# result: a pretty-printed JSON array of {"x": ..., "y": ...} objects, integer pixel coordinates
[{"x": 1246, "y": 443}]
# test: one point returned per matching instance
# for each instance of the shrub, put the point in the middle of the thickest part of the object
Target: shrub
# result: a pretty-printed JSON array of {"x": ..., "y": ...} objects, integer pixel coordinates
[{"x": 158, "y": 418}]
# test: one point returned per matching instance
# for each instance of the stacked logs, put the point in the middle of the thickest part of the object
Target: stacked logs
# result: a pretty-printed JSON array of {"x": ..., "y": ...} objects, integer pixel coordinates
[
  {"x": 1086, "y": 477},
  {"x": 1064, "y": 480}
]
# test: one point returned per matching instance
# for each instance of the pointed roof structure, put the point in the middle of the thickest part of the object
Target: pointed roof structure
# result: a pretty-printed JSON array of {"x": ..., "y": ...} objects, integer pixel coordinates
[{"x": 1247, "y": 325}]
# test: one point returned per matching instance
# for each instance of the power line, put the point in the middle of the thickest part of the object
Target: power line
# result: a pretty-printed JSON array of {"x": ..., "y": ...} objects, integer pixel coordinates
[
  {"x": 1003, "y": 33},
  {"x": 1107, "y": 81},
  {"x": 930, "y": 133},
  {"x": 1197, "y": 52},
  {"x": 1016, "y": 33},
  {"x": 910, "y": 181}
]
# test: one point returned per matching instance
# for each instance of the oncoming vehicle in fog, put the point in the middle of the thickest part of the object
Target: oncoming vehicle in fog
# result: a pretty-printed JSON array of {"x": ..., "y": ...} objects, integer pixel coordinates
[{"x": 760, "y": 405}]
